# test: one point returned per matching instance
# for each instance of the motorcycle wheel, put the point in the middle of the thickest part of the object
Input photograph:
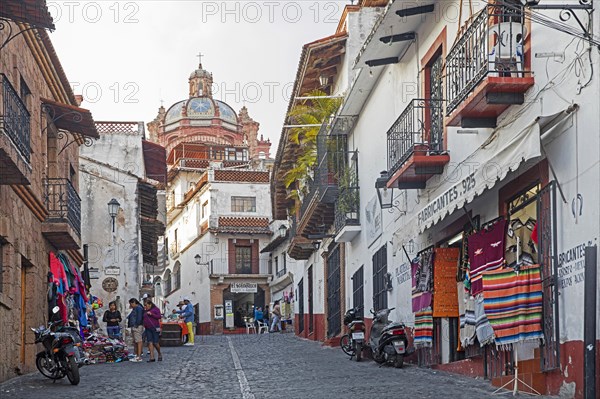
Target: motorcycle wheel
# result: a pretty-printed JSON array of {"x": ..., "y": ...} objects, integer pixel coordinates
[
  {"x": 44, "y": 365},
  {"x": 379, "y": 357},
  {"x": 345, "y": 344},
  {"x": 399, "y": 361},
  {"x": 358, "y": 352},
  {"x": 72, "y": 370}
]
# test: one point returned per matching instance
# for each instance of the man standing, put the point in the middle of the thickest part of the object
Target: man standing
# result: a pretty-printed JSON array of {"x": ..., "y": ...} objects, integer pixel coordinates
[
  {"x": 187, "y": 314},
  {"x": 135, "y": 321}
]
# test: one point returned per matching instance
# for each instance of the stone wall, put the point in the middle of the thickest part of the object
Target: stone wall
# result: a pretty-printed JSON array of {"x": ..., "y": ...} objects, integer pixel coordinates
[{"x": 24, "y": 250}]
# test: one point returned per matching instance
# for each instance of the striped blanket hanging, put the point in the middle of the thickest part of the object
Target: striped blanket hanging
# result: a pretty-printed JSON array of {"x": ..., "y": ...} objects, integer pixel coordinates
[
  {"x": 513, "y": 304},
  {"x": 424, "y": 328}
]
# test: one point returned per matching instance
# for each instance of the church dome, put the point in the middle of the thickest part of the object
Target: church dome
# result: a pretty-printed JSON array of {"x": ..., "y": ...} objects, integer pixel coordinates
[{"x": 200, "y": 108}]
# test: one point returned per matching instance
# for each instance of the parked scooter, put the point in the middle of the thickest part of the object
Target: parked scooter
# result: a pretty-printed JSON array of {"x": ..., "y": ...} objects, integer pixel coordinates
[
  {"x": 352, "y": 343},
  {"x": 59, "y": 357},
  {"x": 387, "y": 339}
]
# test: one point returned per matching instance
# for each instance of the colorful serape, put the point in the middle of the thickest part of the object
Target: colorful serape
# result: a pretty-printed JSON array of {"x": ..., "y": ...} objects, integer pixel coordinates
[
  {"x": 466, "y": 309},
  {"x": 423, "y": 328},
  {"x": 513, "y": 304},
  {"x": 421, "y": 270}
]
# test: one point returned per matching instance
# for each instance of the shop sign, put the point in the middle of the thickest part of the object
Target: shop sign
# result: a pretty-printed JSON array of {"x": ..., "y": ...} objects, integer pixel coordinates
[
  {"x": 228, "y": 313},
  {"x": 571, "y": 266},
  {"x": 110, "y": 284},
  {"x": 244, "y": 287},
  {"x": 447, "y": 200},
  {"x": 374, "y": 224},
  {"x": 112, "y": 270}
]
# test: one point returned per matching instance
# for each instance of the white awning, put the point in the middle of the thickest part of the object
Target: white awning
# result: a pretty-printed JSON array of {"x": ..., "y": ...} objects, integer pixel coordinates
[{"x": 503, "y": 152}]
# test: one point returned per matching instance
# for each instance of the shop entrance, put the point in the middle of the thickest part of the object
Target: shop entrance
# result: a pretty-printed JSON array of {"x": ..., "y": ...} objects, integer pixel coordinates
[{"x": 244, "y": 304}]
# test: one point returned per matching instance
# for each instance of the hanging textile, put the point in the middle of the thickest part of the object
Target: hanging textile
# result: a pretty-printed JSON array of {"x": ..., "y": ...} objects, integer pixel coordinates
[
  {"x": 423, "y": 328},
  {"x": 445, "y": 299},
  {"x": 422, "y": 282},
  {"x": 58, "y": 272},
  {"x": 466, "y": 310},
  {"x": 486, "y": 252},
  {"x": 483, "y": 328},
  {"x": 513, "y": 304}
]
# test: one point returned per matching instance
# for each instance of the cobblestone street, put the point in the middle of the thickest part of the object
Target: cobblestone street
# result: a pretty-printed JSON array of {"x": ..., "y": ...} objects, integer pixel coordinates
[{"x": 265, "y": 366}]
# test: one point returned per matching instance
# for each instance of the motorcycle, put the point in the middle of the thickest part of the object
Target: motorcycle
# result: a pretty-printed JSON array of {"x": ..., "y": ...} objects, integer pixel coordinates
[
  {"x": 387, "y": 339},
  {"x": 352, "y": 343},
  {"x": 60, "y": 355}
]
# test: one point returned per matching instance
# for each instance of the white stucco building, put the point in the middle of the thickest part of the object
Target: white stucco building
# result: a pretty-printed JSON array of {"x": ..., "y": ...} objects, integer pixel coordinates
[
  {"x": 125, "y": 167},
  {"x": 478, "y": 123}
]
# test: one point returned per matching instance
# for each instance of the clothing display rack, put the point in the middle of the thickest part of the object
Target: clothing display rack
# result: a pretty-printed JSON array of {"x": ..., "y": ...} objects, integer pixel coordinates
[{"x": 515, "y": 381}]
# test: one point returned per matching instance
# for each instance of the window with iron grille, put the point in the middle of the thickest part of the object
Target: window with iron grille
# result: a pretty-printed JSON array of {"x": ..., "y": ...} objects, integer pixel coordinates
[
  {"x": 334, "y": 319},
  {"x": 379, "y": 274},
  {"x": 284, "y": 259},
  {"x": 311, "y": 321},
  {"x": 243, "y": 204},
  {"x": 358, "y": 296},
  {"x": 301, "y": 306},
  {"x": 176, "y": 276},
  {"x": 243, "y": 260}
]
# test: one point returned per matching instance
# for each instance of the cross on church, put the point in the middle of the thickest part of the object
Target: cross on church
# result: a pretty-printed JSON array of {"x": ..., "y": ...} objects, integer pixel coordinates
[{"x": 199, "y": 58}]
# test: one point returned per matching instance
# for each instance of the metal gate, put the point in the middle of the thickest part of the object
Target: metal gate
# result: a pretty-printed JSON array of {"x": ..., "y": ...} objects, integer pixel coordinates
[
  {"x": 334, "y": 319},
  {"x": 301, "y": 306},
  {"x": 379, "y": 276},
  {"x": 546, "y": 232},
  {"x": 358, "y": 296}
]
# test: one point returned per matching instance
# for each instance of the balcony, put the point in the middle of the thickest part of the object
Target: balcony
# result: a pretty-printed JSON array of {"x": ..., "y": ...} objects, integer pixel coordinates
[
  {"x": 218, "y": 267},
  {"x": 15, "y": 147},
  {"x": 416, "y": 145},
  {"x": 300, "y": 247},
  {"x": 317, "y": 210},
  {"x": 347, "y": 206},
  {"x": 62, "y": 227},
  {"x": 486, "y": 69}
]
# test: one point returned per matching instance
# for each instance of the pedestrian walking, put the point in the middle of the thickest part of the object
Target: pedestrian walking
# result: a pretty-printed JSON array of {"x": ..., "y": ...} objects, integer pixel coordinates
[
  {"x": 276, "y": 317},
  {"x": 258, "y": 317},
  {"x": 187, "y": 314},
  {"x": 112, "y": 318},
  {"x": 152, "y": 318},
  {"x": 135, "y": 322}
]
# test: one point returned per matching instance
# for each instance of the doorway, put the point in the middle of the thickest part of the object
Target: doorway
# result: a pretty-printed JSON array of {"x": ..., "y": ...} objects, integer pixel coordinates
[{"x": 244, "y": 304}]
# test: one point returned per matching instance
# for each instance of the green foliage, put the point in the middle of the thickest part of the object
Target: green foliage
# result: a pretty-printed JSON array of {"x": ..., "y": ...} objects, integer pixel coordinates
[
  {"x": 308, "y": 112},
  {"x": 349, "y": 196}
]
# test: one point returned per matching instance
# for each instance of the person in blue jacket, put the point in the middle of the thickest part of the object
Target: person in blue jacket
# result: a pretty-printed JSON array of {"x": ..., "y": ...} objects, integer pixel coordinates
[{"x": 187, "y": 314}]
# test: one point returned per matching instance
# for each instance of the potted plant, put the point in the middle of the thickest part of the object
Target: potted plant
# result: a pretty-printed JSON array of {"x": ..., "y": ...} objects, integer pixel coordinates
[{"x": 349, "y": 196}]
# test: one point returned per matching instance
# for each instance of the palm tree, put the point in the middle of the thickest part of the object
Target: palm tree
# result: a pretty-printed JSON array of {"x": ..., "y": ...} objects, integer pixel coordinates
[{"x": 312, "y": 113}]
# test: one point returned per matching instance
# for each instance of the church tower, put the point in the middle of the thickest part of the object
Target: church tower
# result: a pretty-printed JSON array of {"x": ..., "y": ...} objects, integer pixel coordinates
[{"x": 201, "y": 83}]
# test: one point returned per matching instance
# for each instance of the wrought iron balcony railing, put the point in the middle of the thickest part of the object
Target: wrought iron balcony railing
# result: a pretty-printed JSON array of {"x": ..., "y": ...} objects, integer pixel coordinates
[
  {"x": 347, "y": 206},
  {"x": 332, "y": 158},
  {"x": 493, "y": 44},
  {"x": 63, "y": 203},
  {"x": 418, "y": 129},
  {"x": 15, "y": 119},
  {"x": 281, "y": 272}
]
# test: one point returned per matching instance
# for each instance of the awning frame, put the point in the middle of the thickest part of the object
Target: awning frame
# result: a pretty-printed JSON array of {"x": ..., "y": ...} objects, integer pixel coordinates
[{"x": 73, "y": 124}]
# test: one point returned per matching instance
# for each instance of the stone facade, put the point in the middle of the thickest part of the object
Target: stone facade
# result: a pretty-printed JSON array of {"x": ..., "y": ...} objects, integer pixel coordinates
[{"x": 30, "y": 65}]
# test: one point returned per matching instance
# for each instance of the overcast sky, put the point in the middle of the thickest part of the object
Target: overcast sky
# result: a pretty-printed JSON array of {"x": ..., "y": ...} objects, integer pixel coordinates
[{"x": 125, "y": 56}]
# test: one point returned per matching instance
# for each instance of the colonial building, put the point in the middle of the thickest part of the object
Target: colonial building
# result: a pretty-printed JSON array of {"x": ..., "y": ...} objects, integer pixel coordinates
[
  {"x": 41, "y": 130},
  {"x": 218, "y": 207},
  {"x": 479, "y": 118},
  {"x": 123, "y": 248}
]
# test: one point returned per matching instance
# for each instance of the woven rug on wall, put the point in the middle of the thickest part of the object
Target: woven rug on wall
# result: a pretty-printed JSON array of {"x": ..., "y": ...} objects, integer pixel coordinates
[
  {"x": 513, "y": 304},
  {"x": 423, "y": 328}
]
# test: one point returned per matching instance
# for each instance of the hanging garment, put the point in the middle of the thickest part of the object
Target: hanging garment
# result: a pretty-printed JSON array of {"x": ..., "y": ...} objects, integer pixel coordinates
[
  {"x": 486, "y": 252},
  {"x": 423, "y": 328},
  {"x": 483, "y": 328},
  {"x": 445, "y": 299},
  {"x": 513, "y": 304},
  {"x": 518, "y": 241},
  {"x": 466, "y": 308},
  {"x": 420, "y": 300},
  {"x": 58, "y": 273}
]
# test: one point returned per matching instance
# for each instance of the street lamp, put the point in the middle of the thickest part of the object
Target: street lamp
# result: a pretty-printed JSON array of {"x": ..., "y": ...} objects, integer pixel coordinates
[
  {"x": 384, "y": 194},
  {"x": 323, "y": 80},
  {"x": 197, "y": 258},
  {"x": 282, "y": 231},
  {"x": 316, "y": 245},
  {"x": 113, "y": 209}
]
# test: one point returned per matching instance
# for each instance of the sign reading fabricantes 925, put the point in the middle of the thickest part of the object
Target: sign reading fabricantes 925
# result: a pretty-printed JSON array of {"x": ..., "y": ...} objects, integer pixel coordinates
[
  {"x": 244, "y": 287},
  {"x": 447, "y": 199}
]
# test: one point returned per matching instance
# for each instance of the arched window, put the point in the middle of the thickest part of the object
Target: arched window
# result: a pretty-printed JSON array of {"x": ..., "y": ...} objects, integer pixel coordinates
[
  {"x": 167, "y": 283},
  {"x": 158, "y": 287},
  {"x": 176, "y": 278}
]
